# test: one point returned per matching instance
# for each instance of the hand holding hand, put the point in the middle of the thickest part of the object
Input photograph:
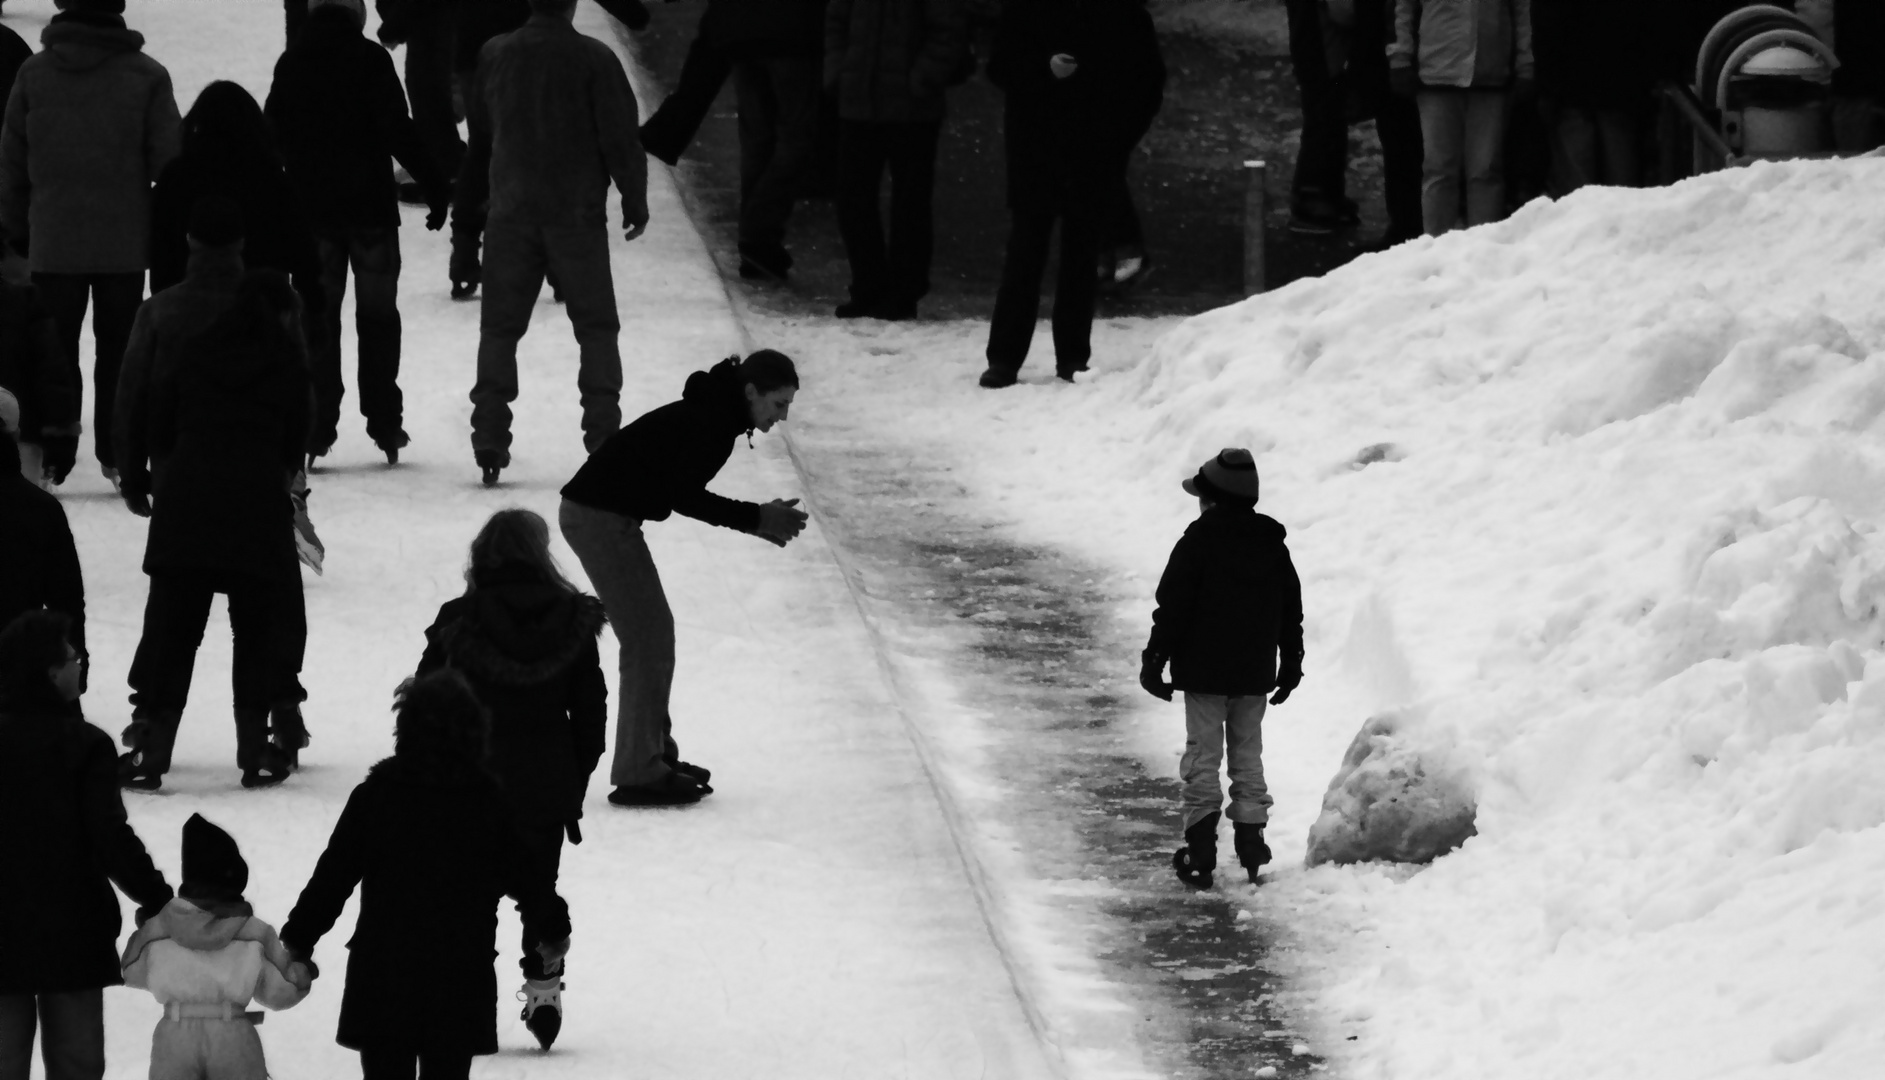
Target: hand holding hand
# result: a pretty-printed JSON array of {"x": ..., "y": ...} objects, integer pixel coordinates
[
  {"x": 299, "y": 976},
  {"x": 1152, "y": 677},
  {"x": 781, "y": 520},
  {"x": 1062, "y": 65},
  {"x": 138, "y": 503},
  {"x": 436, "y": 214}
]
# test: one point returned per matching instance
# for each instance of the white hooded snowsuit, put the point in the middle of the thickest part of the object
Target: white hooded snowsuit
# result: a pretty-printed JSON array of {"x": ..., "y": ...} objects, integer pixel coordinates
[{"x": 205, "y": 967}]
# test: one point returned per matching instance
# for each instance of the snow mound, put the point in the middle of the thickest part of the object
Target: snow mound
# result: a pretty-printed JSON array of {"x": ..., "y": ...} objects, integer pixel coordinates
[{"x": 1392, "y": 802}]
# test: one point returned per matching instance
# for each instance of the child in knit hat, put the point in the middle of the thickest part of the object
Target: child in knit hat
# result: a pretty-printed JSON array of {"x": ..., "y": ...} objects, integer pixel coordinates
[
  {"x": 1229, "y": 620},
  {"x": 205, "y": 956}
]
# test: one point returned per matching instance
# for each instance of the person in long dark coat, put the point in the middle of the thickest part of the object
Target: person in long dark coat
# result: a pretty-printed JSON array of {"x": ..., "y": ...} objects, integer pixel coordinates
[
  {"x": 1083, "y": 80},
  {"x": 226, "y": 426},
  {"x": 66, "y": 842},
  {"x": 42, "y": 376},
  {"x": 428, "y": 840},
  {"x": 525, "y": 638},
  {"x": 39, "y": 564}
]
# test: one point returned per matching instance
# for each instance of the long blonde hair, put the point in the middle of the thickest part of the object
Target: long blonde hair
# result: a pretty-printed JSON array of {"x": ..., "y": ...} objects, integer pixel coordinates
[{"x": 515, "y": 537}]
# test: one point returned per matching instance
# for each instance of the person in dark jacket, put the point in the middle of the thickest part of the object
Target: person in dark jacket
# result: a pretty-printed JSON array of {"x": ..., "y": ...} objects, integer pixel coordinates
[
  {"x": 1229, "y": 605},
  {"x": 1083, "y": 80},
  {"x": 90, "y": 124},
  {"x": 39, "y": 563},
  {"x": 889, "y": 62},
  {"x": 42, "y": 376},
  {"x": 550, "y": 166},
  {"x": 339, "y": 117},
  {"x": 1594, "y": 87},
  {"x": 228, "y": 152},
  {"x": 426, "y": 29},
  {"x": 525, "y": 639},
  {"x": 223, "y": 430},
  {"x": 774, "y": 48},
  {"x": 429, "y": 841},
  {"x": 67, "y": 841},
  {"x": 650, "y": 469}
]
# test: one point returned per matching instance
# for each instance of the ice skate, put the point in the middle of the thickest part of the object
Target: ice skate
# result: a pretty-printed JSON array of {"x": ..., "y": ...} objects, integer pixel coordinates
[{"x": 543, "y": 1008}]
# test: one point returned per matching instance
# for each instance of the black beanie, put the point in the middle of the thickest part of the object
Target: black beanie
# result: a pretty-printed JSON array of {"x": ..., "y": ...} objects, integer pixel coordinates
[
  {"x": 215, "y": 221},
  {"x": 212, "y": 866}
]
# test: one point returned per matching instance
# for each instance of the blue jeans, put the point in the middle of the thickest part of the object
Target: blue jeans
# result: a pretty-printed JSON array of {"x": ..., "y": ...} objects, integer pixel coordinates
[
  {"x": 72, "y": 1030},
  {"x": 1463, "y": 132},
  {"x": 1214, "y": 723}
]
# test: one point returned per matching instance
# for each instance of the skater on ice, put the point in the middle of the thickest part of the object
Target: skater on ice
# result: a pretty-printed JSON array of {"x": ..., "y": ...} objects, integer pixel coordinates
[
  {"x": 205, "y": 957},
  {"x": 650, "y": 469},
  {"x": 525, "y": 639},
  {"x": 1229, "y": 621}
]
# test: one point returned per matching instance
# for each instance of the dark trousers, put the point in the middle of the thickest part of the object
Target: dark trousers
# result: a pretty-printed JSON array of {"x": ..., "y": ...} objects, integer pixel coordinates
[
  {"x": 392, "y": 1064},
  {"x": 72, "y": 1034},
  {"x": 1018, "y": 303},
  {"x": 517, "y": 255},
  {"x": 672, "y": 127},
  {"x": 267, "y": 618},
  {"x": 778, "y": 132},
  {"x": 1322, "y": 159},
  {"x": 897, "y": 271},
  {"x": 543, "y": 840},
  {"x": 373, "y": 255},
  {"x": 1397, "y": 125},
  {"x": 429, "y": 55},
  {"x": 114, "y": 299}
]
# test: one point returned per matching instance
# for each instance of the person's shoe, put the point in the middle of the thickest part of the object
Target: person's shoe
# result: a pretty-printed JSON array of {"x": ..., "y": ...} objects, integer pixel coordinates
[
  {"x": 995, "y": 378},
  {"x": 262, "y": 764},
  {"x": 543, "y": 1008},
  {"x": 288, "y": 732},
  {"x": 318, "y": 452},
  {"x": 700, "y": 774},
  {"x": 149, "y": 738},
  {"x": 674, "y": 789},
  {"x": 111, "y": 474},
  {"x": 1252, "y": 852},
  {"x": 490, "y": 463},
  {"x": 392, "y": 444},
  {"x": 1198, "y": 858}
]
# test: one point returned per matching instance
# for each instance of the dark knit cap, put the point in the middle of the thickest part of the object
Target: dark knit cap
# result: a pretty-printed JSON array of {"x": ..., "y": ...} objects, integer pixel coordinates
[
  {"x": 94, "y": 7},
  {"x": 212, "y": 866},
  {"x": 1231, "y": 476},
  {"x": 215, "y": 221}
]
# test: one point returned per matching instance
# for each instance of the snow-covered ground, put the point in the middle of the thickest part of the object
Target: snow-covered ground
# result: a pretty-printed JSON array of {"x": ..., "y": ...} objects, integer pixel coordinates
[{"x": 1589, "y": 496}]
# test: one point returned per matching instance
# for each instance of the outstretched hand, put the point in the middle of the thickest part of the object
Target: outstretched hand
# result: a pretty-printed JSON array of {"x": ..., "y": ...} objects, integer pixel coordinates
[{"x": 780, "y": 521}]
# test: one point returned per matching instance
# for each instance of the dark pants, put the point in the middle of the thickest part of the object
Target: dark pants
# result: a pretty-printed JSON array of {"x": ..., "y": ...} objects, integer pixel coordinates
[
  {"x": 429, "y": 53},
  {"x": 1018, "y": 303},
  {"x": 373, "y": 255},
  {"x": 669, "y": 131},
  {"x": 516, "y": 257},
  {"x": 544, "y": 842},
  {"x": 410, "y": 1064},
  {"x": 268, "y": 620},
  {"x": 778, "y": 131},
  {"x": 1397, "y": 125},
  {"x": 898, "y": 271},
  {"x": 72, "y": 1034},
  {"x": 1322, "y": 158},
  {"x": 115, "y": 299}
]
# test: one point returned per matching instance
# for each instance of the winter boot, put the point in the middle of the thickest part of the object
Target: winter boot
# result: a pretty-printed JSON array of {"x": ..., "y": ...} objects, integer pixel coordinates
[
  {"x": 150, "y": 736},
  {"x": 490, "y": 463},
  {"x": 543, "y": 1008},
  {"x": 1252, "y": 852},
  {"x": 262, "y": 765},
  {"x": 287, "y": 732},
  {"x": 1195, "y": 861}
]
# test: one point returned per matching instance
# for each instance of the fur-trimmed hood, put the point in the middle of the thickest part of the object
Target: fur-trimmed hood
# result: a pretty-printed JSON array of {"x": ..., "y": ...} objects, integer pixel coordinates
[{"x": 517, "y": 632}]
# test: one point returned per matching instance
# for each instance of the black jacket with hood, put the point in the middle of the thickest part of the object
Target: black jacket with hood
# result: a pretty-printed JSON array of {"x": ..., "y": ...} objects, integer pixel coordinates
[
  {"x": 661, "y": 463},
  {"x": 1228, "y": 603},
  {"x": 528, "y": 647}
]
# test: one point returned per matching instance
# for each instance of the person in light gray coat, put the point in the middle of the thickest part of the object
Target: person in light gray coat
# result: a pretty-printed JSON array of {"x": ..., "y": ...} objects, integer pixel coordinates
[{"x": 90, "y": 124}]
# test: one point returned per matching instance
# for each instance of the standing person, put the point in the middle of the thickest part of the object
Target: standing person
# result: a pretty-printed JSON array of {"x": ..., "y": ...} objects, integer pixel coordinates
[
  {"x": 228, "y": 152},
  {"x": 525, "y": 639},
  {"x": 1229, "y": 605},
  {"x": 428, "y": 839},
  {"x": 67, "y": 842},
  {"x": 39, "y": 563},
  {"x": 1461, "y": 60},
  {"x": 1858, "y": 39},
  {"x": 339, "y": 118},
  {"x": 1594, "y": 88},
  {"x": 205, "y": 957},
  {"x": 41, "y": 376},
  {"x": 90, "y": 125},
  {"x": 652, "y": 468},
  {"x": 890, "y": 62},
  {"x": 774, "y": 46},
  {"x": 222, "y": 427},
  {"x": 1083, "y": 80},
  {"x": 555, "y": 123}
]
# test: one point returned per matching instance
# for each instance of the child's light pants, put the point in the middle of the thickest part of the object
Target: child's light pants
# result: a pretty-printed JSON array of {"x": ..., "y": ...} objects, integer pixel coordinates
[
  {"x": 1211, "y": 722},
  {"x": 207, "y": 1050}
]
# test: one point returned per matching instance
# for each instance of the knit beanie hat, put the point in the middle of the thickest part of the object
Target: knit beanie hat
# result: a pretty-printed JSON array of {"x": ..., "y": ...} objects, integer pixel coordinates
[
  {"x": 215, "y": 221},
  {"x": 9, "y": 412},
  {"x": 94, "y": 7},
  {"x": 1231, "y": 476},
  {"x": 357, "y": 7},
  {"x": 212, "y": 866}
]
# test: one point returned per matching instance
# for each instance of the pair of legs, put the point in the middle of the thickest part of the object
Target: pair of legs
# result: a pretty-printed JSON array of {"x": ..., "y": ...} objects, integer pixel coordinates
[
  {"x": 517, "y": 255},
  {"x": 71, "y": 1027},
  {"x": 1463, "y": 137},
  {"x": 615, "y": 556},
  {"x": 893, "y": 274},
  {"x": 1214, "y": 724},
  {"x": 207, "y": 1050},
  {"x": 1018, "y": 303},
  {"x": 391, "y": 1064},
  {"x": 114, "y": 300},
  {"x": 1593, "y": 146},
  {"x": 543, "y": 840},
  {"x": 778, "y": 100},
  {"x": 373, "y": 256},
  {"x": 1321, "y": 173}
]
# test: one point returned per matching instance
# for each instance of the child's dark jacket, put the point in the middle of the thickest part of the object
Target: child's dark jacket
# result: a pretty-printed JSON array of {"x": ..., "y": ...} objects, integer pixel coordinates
[{"x": 1228, "y": 603}]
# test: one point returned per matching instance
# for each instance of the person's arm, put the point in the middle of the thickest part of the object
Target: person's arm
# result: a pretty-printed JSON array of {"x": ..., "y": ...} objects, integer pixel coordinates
[
  {"x": 275, "y": 988},
  {"x": 1401, "y": 51},
  {"x": 130, "y": 435},
  {"x": 66, "y": 591},
  {"x": 1176, "y": 597},
  {"x": 1144, "y": 79},
  {"x": 170, "y": 220},
  {"x": 473, "y": 185},
  {"x": 401, "y": 136},
  {"x": 1289, "y": 638},
  {"x": 15, "y": 187},
  {"x": 114, "y": 843},
  {"x": 630, "y": 13},
  {"x": 589, "y": 709},
  {"x": 837, "y": 39},
  {"x": 335, "y": 876},
  {"x": 163, "y": 129},
  {"x": 618, "y": 127},
  {"x": 703, "y": 505},
  {"x": 433, "y": 658}
]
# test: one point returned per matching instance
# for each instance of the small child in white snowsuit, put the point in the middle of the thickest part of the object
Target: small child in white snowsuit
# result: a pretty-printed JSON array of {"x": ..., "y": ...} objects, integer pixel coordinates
[
  {"x": 205, "y": 956},
  {"x": 1229, "y": 620}
]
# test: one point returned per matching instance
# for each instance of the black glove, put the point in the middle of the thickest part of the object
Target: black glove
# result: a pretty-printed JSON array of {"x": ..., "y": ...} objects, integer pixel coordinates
[
  {"x": 1152, "y": 677},
  {"x": 435, "y": 215},
  {"x": 1287, "y": 680},
  {"x": 138, "y": 503},
  {"x": 61, "y": 453},
  {"x": 1402, "y": 80}
]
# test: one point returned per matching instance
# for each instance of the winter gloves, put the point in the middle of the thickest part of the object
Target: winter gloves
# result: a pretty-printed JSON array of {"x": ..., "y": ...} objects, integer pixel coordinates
[
  {"x": 61, "y": 453},
  {"x": 1288, "y": 677},
  {"x": 1152, "y": 676}
]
